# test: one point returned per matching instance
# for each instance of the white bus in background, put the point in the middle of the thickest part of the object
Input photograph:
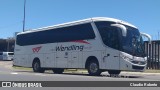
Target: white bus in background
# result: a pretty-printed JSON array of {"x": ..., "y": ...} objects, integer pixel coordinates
[
  {"x": 96, "y": 44},
  {"x": 6, "y": 55}
]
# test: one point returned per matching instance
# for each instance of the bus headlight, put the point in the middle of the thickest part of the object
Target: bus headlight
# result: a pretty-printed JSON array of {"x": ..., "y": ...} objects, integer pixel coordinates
[
  {"x": 139, "y": 62},
  {"x": 126, "y": 58}
]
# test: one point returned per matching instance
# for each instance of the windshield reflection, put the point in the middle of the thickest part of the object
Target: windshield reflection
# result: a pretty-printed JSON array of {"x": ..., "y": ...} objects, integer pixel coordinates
[{"x": 133, "y": 43}]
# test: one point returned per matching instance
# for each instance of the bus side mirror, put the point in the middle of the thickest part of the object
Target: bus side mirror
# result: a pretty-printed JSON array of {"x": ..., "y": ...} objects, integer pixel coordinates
[
  {"x": 148, "y": 36},
  {"x": 122, "y": 27}
]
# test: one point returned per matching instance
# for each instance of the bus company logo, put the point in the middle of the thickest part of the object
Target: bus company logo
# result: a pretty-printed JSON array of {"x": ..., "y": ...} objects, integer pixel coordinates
[
  {"x": 69, "y": 48},
  {"x": 36, "y": 49}
]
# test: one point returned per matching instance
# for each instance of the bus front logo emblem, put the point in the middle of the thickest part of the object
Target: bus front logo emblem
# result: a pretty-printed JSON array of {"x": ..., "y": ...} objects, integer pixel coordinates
[{"x": 36, "y": 49}]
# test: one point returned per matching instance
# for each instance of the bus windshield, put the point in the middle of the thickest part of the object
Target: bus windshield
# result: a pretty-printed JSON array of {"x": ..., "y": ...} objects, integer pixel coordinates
[
  {"x": 112, "y": 37},
  {"x": 133, "y": 42}
]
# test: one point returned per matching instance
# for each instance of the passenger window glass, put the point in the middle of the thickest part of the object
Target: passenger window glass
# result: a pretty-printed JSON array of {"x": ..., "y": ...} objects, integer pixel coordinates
[
  {"x": 109, "y": 36},
  {"x": 64, "y": 34}
]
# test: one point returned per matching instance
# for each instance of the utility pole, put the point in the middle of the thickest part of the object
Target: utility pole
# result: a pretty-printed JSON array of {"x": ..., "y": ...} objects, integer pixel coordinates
[
  {"x": 7, "y": 45},
  {"x": 158, "y": 35},
  {"x": 24, "y": 15}
]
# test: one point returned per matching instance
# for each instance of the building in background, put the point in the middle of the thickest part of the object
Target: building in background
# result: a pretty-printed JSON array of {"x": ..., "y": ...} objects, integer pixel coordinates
[
  {"x": 7, "y": 45},
  {"x": 153, "y": 52}
]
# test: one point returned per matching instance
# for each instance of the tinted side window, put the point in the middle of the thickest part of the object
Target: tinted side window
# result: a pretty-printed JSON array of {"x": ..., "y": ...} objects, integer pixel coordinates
[
  {"x": 1, "y": 53},
  {"x": 102, "y": 24},
  {"x": 71, "y": 33},
  {"x": 109, "y": 34}
]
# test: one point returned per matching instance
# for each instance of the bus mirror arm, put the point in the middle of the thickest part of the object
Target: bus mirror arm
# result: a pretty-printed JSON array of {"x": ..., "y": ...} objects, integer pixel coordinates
[
  {"x": 148, "y": 36},
  {"x": 122, "y": 27}
]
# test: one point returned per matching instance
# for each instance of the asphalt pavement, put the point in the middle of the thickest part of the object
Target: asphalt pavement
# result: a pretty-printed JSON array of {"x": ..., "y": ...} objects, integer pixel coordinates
[{"x": 8, "y": 73}]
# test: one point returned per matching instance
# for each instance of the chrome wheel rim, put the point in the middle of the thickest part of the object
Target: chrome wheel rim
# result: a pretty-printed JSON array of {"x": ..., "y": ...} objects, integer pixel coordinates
[
  {"x": 93, "y": 67},
  {"x": 36, "y": 66}
]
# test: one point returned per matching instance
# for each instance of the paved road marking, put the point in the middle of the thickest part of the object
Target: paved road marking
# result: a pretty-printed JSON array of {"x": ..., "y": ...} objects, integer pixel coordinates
[
  {"x": 14, "y": 73},
  {"x": 39, "y": 74}
]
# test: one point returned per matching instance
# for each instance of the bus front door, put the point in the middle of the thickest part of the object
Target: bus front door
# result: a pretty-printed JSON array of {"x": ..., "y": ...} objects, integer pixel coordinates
[{"x": 112, "y": 59}]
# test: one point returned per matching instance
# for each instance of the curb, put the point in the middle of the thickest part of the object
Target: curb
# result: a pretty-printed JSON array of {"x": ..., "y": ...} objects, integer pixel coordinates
[
  {"x": 123, "y": 72},
  {"x": 140, "y": 73}
]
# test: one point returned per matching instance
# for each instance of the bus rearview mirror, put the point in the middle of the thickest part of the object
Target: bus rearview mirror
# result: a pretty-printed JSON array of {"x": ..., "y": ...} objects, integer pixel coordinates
[
  {"x": 122, "y": 28},
  {"x": 148, "y": 36}
]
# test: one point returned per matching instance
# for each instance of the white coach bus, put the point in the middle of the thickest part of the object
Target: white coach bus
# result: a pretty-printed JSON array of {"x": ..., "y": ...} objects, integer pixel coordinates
[{"x": 96, "y": 44}]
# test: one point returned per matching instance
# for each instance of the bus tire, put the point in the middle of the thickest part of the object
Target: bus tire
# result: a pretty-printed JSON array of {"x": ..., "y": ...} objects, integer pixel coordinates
[
  {"x": 114, "y": 72},
  {"x": 93, "y": 68},
  {"x": 37, "y": 67},
  {"x": 58, "y": 70}
]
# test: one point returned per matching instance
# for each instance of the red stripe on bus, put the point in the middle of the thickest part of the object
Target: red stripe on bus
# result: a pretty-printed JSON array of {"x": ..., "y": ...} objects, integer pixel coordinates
[{"x": 81, "y": 41}]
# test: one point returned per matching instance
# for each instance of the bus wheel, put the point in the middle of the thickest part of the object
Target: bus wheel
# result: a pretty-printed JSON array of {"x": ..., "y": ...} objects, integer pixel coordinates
[
  {"x": 93, "y": 68},
  {"x": 114, "y": 72},
  {"x": 58, "y": 70},
  {"x": 37, "y": 67}
]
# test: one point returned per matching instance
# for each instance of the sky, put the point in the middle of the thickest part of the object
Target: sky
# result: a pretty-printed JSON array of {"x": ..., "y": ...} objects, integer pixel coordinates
[{"x": 144, "y": 14}]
